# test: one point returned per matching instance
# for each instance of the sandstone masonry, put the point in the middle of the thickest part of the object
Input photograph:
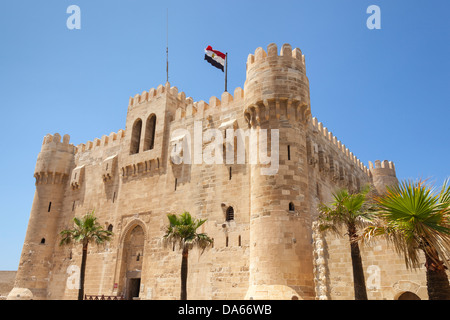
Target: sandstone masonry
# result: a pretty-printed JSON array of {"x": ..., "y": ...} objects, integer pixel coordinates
[{"x": 266, "y": 245}]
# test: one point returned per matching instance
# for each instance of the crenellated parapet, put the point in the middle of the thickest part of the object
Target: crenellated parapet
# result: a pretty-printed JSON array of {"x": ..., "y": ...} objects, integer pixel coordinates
[
  {"x": 383, "y": 174},
  {"x": 106, "y": 141},
  {"x": 384, "y": 167},
  {"x": 55, "y": 159},
  {"x": 155, "y": 94},
  {"x": 276, "y": 85},
  {"x": 200, "y": 110},
  {"x": 319, "y": 128}
]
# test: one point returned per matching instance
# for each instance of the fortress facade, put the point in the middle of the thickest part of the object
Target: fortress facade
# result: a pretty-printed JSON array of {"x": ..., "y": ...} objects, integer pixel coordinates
[{"x": 266, "y": 242}]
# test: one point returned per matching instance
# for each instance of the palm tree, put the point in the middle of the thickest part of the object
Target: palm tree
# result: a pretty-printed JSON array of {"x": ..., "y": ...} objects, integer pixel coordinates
[
  {"x": 182, "y": 231},
  {"x": 85, "y": 230},
  {"x": 416, "y": 220},
  {"x": 348, "y": 211}
]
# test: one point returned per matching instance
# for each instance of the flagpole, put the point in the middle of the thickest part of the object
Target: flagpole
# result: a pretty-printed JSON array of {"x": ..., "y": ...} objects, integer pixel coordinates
[
  {"x": 226, "y": 69},
  {"x": 167, "y": 46}
]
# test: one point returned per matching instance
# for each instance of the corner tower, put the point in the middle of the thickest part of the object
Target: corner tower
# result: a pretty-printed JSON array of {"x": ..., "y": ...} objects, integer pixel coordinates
[
  {"x": 383, "y": 175},
  {"x": 53, "y": 166},
  {"x": 277, "y": 98}
]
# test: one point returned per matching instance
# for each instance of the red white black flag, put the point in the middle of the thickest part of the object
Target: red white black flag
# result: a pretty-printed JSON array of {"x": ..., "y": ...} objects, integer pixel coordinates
[{"x": 216, "y": 58}]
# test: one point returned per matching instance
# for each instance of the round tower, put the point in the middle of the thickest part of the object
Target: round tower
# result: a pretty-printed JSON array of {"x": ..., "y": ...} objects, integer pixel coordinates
[
  {"x": 383, "y": 175},
  {"x": 53, "y": 167},
  {"x": 277, "y": 99}
]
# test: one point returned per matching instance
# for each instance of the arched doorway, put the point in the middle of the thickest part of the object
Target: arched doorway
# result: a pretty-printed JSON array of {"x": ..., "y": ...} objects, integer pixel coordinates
[
  {"x": 132, "y": 258},
  {"x": 408, "y": 296}
]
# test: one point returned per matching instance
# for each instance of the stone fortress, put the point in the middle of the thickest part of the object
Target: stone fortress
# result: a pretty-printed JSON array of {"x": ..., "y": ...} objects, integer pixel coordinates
[{"x": 266, "y": 242}]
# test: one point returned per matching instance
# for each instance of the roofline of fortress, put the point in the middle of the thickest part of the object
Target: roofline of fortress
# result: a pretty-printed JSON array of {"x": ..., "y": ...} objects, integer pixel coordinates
[{"x": 189, "y": 108}]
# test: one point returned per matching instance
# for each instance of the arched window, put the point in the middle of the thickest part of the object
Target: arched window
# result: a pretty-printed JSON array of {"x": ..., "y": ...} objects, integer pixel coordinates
[
  {"x": 136, "y": 136},
  {"x": 291, "y": 206},
  {"x": 149, "y": 139},
  {"x": 230, "y": 214},
  {"x": 110, "y": 228}
]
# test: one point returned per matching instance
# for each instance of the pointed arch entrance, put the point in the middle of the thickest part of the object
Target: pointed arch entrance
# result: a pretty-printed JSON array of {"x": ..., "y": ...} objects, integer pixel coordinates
[{"x": 131, "y": 260}]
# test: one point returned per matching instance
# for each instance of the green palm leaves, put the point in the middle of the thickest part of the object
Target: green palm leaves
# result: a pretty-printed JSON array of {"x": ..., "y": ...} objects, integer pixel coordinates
[
  {"x": 182, "y": 231},
  {"x": 350, "y": 212},
  {"x": 85, "y": 230},
  {"x": 415, "y": 219},
  {"x": 346, "y": 209}
]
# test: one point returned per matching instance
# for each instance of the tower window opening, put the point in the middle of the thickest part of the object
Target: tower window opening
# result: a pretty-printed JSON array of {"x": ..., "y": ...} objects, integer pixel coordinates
[
  {"x": 110, "y": 228},
  {"x": 138, "y": 257},
  {"x": 176, "y": 181},
  {"x": 230, "y": 214},
  {"x": 114, "y": 197},
  {"x": 43, "y": 241},
  {"x": 49, "y": 206},
  {"x": 230, "y": 174},
  {"x": 149, "y": 138},
  {"x": 136, "y": 137},
  {"x": 73, "y": 206},
  {"x": 240, "y": 243},
  {"x": 291, "y": 207},
  {"x": 289, "y": 152},
  {"x": 226, "y": 241}
]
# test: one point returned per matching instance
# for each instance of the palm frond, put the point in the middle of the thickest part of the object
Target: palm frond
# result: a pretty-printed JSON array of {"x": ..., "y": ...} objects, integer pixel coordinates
[
  {"x": 416, "y": 220},
  {"x": 86, "y": 229},
  {"x": 181, "y": 232}
]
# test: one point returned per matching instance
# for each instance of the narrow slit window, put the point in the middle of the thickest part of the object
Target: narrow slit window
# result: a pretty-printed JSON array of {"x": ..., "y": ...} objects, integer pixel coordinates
[
  {"x": 49, "y": 206},
  {"x": 230, "y": 174},
  {"x": 226, "y": 241},
  {"x": 73, "y": 206},
  {"x": 176, "y": 181},
  {"x": 240, "y": 243},
  {"x": 289, "y": 152},
  {"x": 114, "y": 197}
]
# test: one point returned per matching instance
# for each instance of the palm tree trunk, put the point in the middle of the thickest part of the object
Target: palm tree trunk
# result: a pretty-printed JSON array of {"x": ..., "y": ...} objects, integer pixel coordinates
[
  {"x": 184, "y": 273},
  {"x": 82, "y": 272},
  {"x": 359, "y": 282},
  {"x": 437, "y": 280}
]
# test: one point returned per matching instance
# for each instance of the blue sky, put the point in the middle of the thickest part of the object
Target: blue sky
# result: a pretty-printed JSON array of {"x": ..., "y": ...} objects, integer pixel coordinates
[{"x": 384, "y": 93}]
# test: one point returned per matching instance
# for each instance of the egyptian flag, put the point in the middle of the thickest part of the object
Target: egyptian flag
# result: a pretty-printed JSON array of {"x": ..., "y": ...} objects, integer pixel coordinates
[{"x": 216, "y": 58}]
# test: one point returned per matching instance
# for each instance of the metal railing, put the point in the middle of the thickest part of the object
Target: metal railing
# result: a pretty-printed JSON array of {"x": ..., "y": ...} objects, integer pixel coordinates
[{"x": 102, "y": 297}]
